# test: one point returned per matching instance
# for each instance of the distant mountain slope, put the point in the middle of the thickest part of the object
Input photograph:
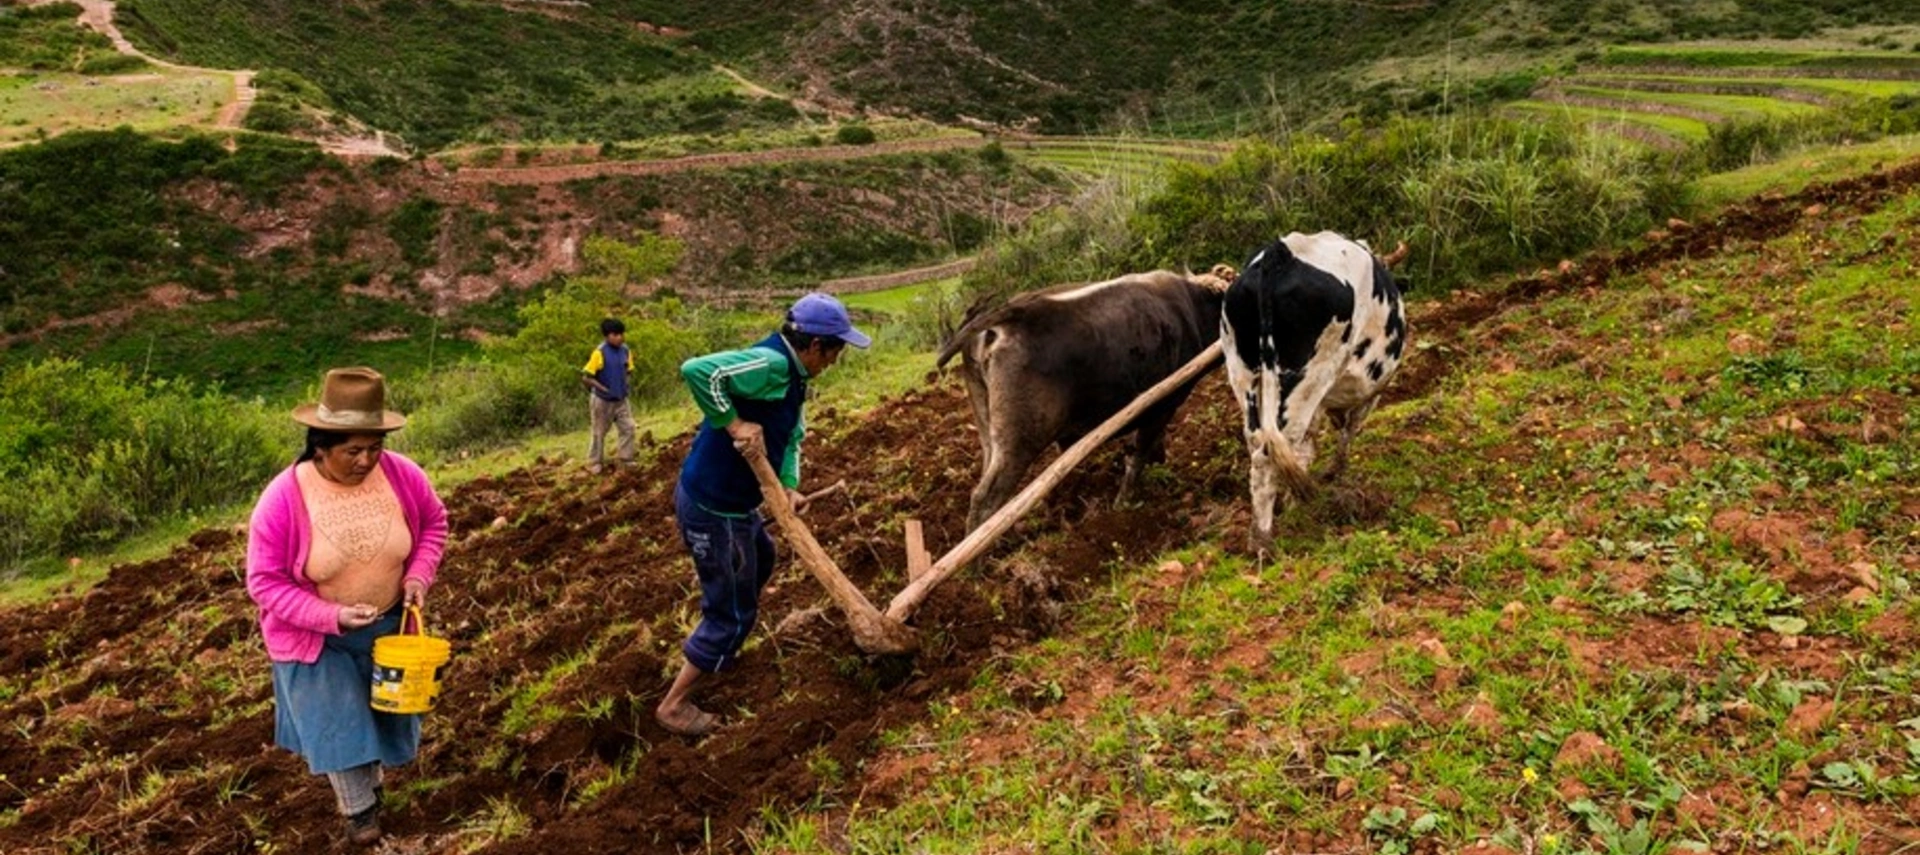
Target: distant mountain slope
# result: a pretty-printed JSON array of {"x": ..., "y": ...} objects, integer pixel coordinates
[
  {"x": 439, "y": 72},
  {"x": 255, "y": 267},
  {"x": 622, "y": 69}
]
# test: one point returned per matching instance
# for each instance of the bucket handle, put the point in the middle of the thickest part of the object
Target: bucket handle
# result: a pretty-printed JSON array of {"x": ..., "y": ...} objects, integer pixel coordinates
[{"x": 419, "y": 622}]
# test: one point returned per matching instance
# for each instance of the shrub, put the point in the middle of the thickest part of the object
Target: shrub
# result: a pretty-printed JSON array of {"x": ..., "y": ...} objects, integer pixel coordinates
[
  {"x": 486, "y": 403},
  {"x": 274, "y": 118},
  {"x": 108, "y": 62},
  {"x": 530, "y": 383},
  {"x": 89, "y": 454},
  {"x": 414, "y": 226},
  {"x": 1471, "y": 196},
  {"x": 854, "y": 135}
]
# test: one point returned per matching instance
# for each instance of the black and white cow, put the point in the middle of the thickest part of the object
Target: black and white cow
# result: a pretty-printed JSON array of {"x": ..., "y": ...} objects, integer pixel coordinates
[
  {"x": 1313, "y": 326},
  {"x": 1049, "y": 366}
]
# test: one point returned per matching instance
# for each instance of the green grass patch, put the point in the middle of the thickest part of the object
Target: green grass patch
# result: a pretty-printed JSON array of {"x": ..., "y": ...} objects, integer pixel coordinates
[
  {"x": 1726, "y": 105},
  {"x": 1792, "y": 173},
  {"x": 1564, "y": 563},
  {"x": 1816, "y": 86},
  {"x": 1613, "y": 119},
  {"x": 38, "y": 105},
  {"x": 903, "y": 302}
]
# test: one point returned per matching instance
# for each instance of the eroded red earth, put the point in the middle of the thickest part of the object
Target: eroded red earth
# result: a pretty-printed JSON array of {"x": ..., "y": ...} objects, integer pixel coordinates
[{"x": 139, "y": 718}]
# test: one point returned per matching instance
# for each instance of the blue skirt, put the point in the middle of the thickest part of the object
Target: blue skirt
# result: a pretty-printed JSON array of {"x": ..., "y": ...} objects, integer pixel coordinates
[{"x": 321, "y": 710}]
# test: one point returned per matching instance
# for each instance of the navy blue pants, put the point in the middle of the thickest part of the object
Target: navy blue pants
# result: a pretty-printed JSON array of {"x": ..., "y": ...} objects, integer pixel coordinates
[{"x": 734, "y": 559}]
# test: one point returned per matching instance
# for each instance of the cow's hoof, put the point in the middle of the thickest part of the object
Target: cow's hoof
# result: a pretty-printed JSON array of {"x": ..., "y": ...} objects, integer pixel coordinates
[{"x": 1260, "y": 547}]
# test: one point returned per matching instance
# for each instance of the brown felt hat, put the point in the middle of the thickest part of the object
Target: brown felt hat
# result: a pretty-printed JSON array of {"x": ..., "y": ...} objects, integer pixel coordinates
[{"x": 351, "y": 400}]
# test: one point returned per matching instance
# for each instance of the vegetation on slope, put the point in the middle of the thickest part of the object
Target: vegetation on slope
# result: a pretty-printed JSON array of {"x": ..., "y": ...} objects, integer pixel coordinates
[
  {"x": 258, "y": 267},
  {"x": 440, "y": 72},
  {"x": 89, "y": 454},
  {"x": 49, "y": 37},
  {"x": 437, "y": 72},
  {"x": 1629, "y": 567}
]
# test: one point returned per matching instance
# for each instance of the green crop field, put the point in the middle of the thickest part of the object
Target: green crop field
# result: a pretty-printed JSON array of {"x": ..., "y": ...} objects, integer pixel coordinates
[
  {"x": 1727, "y": 106},
  {"x": 1720, "y": 57},
  {"x": 1681, "y": 93},
  {"x": 1625, "y": 122},
  {"x": 36, "y": 105},
  {"x": 1815, "y": 87},
  {"x": 901, "y": 302}
]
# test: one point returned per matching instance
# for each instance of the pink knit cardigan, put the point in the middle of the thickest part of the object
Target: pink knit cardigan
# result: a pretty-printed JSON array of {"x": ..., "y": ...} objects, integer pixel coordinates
[{"x": 293, "y": 617}]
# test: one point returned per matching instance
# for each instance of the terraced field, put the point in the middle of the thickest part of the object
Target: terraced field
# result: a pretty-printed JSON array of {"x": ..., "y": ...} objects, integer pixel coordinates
[
  {"x": 1673, "y": 96},
  {"x": 1124, "y": 158}
]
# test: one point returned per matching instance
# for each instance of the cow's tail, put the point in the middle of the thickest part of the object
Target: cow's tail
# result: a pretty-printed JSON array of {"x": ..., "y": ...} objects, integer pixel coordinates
[
  {"x": 1269, "y": 398},
  {"x": 1286, "y": 463},
  {"x": 977, "y": 320}
]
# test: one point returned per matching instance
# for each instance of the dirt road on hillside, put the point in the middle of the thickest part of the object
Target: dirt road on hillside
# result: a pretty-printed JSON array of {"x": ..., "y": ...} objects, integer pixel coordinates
[{"x": 98, "y": 16}]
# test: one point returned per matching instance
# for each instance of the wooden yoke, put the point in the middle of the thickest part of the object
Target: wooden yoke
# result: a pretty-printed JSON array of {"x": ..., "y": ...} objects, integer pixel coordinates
[
  {"x": 872, "y": 631},
  {"x": 977, "y": 541}
]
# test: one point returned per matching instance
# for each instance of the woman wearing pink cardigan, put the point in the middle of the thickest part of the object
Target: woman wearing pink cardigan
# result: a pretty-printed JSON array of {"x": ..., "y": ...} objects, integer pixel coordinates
[{"x": 339, "y": 542}]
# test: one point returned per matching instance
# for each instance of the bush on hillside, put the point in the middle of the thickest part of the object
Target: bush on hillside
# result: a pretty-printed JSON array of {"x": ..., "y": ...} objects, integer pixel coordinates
[
  {"x": 854, "y": 135},
  {"x": 1086, "y": 240},
  {"x": 530, "y": 383},
  {"x": 1473, "y": 197},
  {"x": 110, "y": 62},
  {"x": 90, "y": 454},
  {"x": 480, "y": 404},
  {"x": 1741, "y": 142}
]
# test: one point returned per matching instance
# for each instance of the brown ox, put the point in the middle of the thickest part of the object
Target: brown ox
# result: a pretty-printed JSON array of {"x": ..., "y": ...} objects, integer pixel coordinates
[{"x": 1049, "y": 366}]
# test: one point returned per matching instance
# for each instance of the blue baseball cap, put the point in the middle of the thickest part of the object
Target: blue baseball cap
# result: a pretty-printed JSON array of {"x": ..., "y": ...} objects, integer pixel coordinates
[{"x": 821, "y": 314}]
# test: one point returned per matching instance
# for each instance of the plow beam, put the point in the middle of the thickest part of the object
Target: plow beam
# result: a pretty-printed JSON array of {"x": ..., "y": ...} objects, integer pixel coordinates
[
  {"x": 872, "y": 631},
  {"x": 978, "y": 540}
]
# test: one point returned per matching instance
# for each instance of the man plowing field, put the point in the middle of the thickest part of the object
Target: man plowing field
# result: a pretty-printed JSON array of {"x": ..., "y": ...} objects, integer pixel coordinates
[{"x": 752, "y": 401}]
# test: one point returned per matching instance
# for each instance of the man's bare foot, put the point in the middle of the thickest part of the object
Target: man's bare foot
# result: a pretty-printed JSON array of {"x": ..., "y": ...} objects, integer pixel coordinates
[{"x": 686, "y": 720}]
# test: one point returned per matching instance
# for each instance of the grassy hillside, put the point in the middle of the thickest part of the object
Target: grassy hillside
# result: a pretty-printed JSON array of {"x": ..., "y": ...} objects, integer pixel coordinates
[
  {"x": 1625, "y": 564},
  {"x": 1629, "y": 567},
  {"x": 441, "y": 72},
  {"x": 436, "y": 72}
]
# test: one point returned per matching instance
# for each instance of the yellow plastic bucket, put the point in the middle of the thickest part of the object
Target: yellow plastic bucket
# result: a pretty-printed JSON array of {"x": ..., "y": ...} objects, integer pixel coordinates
[{"x": 406, "y": 667}]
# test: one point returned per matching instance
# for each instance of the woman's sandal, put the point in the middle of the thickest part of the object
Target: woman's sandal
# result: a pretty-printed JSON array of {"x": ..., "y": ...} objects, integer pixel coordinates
[{"x": 700, "y": 723}]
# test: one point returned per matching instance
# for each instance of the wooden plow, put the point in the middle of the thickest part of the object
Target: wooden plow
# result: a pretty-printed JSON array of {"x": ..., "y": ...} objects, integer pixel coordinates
[{"x": 878, "y": 632}]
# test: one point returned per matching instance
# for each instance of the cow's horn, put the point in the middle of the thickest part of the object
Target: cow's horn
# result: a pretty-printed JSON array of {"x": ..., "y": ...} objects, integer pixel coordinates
[{"x": 1398, "y": 255}]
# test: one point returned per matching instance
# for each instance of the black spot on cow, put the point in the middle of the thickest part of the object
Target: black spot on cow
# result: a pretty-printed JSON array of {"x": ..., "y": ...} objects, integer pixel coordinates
[
  {"x": 1396, "y": 334},
  {"x": 1361, "y": 351},
  {"x": 1280, "y": 305},
  {"x": 1384, "y": 288},
  {"x": 1375, "y": 369}
]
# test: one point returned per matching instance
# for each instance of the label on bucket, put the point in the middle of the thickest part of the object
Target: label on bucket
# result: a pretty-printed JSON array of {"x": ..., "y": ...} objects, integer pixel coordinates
[{"x": 392, "y": 692}]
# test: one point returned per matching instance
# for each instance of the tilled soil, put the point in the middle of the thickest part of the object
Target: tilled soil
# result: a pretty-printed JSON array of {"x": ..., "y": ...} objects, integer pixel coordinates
[{"x": 138, "y": 715}]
